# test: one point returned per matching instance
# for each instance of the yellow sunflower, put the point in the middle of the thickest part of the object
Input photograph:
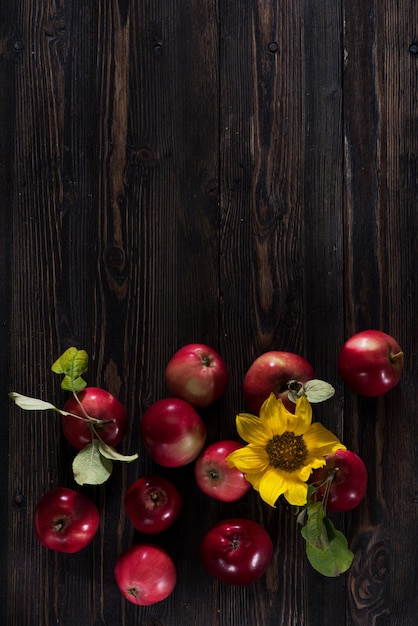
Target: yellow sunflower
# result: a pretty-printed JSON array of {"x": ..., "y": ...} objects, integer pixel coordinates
[{"x": 283, "y": 449}]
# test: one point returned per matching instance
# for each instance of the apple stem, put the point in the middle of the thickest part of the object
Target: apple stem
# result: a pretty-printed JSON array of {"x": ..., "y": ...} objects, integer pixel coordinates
[
  {"x": 327, "y": 482},
  {"x": 396, "y": 357},
  {"x": 88, "y": 417},
  {"x": 75, "y": 394}
]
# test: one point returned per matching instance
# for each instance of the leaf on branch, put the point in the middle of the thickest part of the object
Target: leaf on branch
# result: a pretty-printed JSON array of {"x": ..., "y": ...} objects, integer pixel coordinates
[
  {"x": 326, "y": 548},
  {"x": 90, "y": 467},
  {"x": 30, "y": 404},
  {"x": 110, "y": 453},
  {"x": 72, "y": 363}
]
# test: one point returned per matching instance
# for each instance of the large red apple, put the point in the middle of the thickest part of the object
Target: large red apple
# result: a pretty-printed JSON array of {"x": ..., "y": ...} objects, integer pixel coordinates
[
  {"x": 341, "y": 483},
  {"x": 371, "y": 362},
  {"x": 65, "y": 520},
  {"x": 271, "y": 373},
  {"x": 213, "y": 475},
  {"x": 152, "y": 504},
  {"x": 107, "y": 417},
  {"x": 173, "y": 432},
  {"x": 236, "y": 551},
  {"x": 197, "y": 374},
  {"x": 145, "y": 574}
]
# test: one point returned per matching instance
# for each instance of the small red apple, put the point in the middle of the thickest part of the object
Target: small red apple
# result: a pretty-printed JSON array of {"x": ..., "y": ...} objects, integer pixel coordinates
[
  {"x": 236, "y": 551},
  {"x": 215, "y": 478},
  {"x": 65, "y": 520},
  {"x": 341, "y": 483},
  {"x": 152, "y": 504},
  {"x": 371, "y": 362},
  {"x": 172, "y": 432},
  {"x": 197, "y": 374},
  {"x": 145, "y": 574},
  {"x": 108, "y": 415},
  {"x": 271, "y": 373}
]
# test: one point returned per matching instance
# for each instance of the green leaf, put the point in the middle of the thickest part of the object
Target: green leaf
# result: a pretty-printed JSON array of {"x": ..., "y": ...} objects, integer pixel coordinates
[
  {"x": 30, "y": 404},
  {"x": 110, "y": 453},
  {"x": 315, "y": 390},
  {"x": 326, "y": 548},
  {"x": 73, "y": 363},
  {"x": 318, "y": 390},
  {"x": 339, "y": 546},
  {"x": 90, "y": 467},
  {"x": 313, "y": 531}
]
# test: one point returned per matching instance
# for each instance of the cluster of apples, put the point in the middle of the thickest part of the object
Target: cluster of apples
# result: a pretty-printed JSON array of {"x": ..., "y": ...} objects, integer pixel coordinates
[
  {"x": 236, "y": 551},
  {"x": 174, "y": 434}
]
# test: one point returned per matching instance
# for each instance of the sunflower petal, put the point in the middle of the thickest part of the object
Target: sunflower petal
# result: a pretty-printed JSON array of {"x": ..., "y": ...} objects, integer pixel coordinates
[
  {"x": 271, "y": 416},
  {"x": 304, "y": 472},
  {"x": 249, "y": 459},
  {"x": 271, "y": 486},
  {"x": 303, "y": 415},
  {"x": 251, "y": 429},
  {"x": 277, "y": 419},
  {"x": 296, "y": 492},
  {"x": 320, "y": 441}
]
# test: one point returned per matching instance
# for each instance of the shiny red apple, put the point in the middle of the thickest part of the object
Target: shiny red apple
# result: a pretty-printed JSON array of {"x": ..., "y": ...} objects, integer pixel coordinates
[
  {"x": 107, "y": 415},
  {"x": 236, "y": 551},
  {"x": 145, "y": 574},
  {"x": 172, "y": 432},
  {"x": 65, "y": 520},
  {"x": 198, "y": 374},
  {"x": 371, "y": 362},
  {"x": 152, "y": 504},
  {"x": 341, "y": 483},
  {"x": 271, "y": 373},
  {"x": 213, "y": 475}
]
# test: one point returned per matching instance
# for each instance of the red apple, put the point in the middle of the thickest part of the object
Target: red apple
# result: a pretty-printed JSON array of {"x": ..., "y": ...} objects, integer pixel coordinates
[
  {"x": 271, "y": 373},
  {"x": 215, "y": 478},
  {"x": 197, "y": 374},
  {"x": 173, "y": 432},
  {"x": 65, "y": 520},
  {"x": 152, "y": 504},
  {"x": 236, "y": 551},
  {"x": 341, "y": 483},
  {"x": 371, "y": 362},
  {"x": 107, "y": 417},
  {"x": 145, "y": 574}
]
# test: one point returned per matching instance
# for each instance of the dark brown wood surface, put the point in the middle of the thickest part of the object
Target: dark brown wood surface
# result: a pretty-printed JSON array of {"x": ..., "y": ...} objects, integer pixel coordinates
[{"x": 242, "y": 174}]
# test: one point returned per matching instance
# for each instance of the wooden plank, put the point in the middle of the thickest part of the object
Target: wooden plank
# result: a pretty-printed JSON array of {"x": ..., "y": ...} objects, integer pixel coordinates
[
  {"x": 323, "y": 254},
  {"x": 50, "y": 244},
  {"x": 10, "y": 49},
  {"x": 380, "y": 127},
  {"x": 263, "y": 130}
]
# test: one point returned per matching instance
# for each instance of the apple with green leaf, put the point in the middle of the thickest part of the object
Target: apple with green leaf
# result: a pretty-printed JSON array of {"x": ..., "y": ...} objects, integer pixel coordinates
[
  {"x": 94, "y": 421},
  {"x": 94, "y": 413},
  {"x": 274, "y": 372}
]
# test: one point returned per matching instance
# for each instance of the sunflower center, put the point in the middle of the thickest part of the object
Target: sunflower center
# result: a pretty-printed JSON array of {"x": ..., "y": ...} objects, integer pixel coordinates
[{"x": 287, "y": 452}]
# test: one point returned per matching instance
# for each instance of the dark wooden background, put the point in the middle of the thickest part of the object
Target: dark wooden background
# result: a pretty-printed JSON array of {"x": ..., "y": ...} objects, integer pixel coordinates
[{"x": 242, "y": 174}]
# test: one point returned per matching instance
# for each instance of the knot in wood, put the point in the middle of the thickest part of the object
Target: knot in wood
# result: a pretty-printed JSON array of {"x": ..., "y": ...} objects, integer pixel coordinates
[{"x": 114, "y": 256}]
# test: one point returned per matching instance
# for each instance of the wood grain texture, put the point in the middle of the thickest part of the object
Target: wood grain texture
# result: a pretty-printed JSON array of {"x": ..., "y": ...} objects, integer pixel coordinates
[{"x": 238, "y": 174}]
